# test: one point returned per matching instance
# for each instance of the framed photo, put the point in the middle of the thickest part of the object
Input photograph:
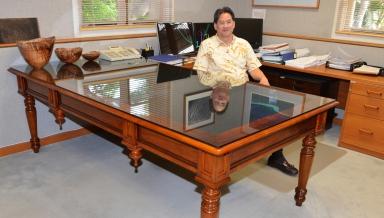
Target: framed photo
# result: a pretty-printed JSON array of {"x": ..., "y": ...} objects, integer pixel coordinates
[
  {"x": 288, "y": 3},
  {"x": 197, "y": 110},
  {"x": 265, "y": 106}
]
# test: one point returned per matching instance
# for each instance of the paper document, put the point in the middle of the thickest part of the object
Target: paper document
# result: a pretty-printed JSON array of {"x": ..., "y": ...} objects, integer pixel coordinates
[{"x": 365, "y": 69}]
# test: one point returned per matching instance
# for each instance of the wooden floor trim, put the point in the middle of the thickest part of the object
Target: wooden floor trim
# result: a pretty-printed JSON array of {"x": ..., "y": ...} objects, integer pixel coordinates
[{"x": 24, "y": 146}]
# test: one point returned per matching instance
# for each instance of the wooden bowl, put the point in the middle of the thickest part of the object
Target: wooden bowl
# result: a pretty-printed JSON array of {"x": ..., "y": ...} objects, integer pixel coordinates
[
  {"x": 42, "y": 74},
  {"x": 91, "y": 66},
  {"x": 36, "y": 52},
  {"x": 92, "y": 55},
  {"x": 69, "y": 71},
  {"x": 68, "y": 55}
]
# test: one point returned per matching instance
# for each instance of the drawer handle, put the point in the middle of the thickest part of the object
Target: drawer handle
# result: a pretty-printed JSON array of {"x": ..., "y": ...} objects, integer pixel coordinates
[
  {"x": 371, "y": 107},
  {"x": 365, "y": 131},
  {"x": 369, "y": 92}
]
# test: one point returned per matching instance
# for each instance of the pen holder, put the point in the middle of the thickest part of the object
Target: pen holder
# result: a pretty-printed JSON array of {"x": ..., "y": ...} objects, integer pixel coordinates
[{"x": 147, "y": 53}]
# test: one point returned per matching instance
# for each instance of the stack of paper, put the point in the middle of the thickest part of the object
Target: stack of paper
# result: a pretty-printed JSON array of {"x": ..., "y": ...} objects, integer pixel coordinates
[
  {"x": 307, "y": 61},
  {"x": 365, "y": 69},
  {"x": 342, "y": 60}
]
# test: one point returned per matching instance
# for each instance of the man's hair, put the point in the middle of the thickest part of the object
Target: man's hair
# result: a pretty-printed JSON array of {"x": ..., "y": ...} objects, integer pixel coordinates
[{"x": 221, "y": 11}]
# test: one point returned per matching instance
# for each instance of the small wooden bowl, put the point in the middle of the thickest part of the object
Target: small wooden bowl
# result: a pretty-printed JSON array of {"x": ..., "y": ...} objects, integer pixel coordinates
[
  {"x": 36, "y": 52},
  {"x": 68, "y": 55},
  {"x": 92, "y": 55},
  {"x": 91, "y": 66}
]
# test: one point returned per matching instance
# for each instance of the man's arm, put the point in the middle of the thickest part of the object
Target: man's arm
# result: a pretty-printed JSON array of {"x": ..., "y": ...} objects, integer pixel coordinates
[{"x": 257, "y": 74}]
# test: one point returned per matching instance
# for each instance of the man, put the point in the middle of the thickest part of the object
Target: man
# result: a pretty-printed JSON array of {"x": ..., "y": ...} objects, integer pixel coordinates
[{"x": 225, "y": 57}]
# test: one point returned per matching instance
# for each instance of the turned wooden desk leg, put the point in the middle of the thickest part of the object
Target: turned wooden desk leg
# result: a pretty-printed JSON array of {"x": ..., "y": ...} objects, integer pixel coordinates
[
  {"x": 210, "y": 202},
  {"x": 30, "y": 111},
  {"x": 213, "y": 173},
  {"x": 306, "y": 159},
  {"x": 130, "y": 141}
]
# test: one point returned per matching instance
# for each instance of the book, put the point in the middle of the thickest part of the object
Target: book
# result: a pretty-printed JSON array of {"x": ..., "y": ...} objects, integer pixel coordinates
[
  {"x": 168, "y": 59},
  {"x": 279, "y": 56}
]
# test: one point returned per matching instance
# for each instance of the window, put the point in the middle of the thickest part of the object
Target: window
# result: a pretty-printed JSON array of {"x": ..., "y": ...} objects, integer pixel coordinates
[
  {"x": 117, "y": 13},
  {"x": 360, "y": 17}
]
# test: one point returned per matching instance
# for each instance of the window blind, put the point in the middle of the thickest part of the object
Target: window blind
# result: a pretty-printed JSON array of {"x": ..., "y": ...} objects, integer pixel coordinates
[
  {"x": 360, "y": 17},
  {"x": 124, "y": 12}
]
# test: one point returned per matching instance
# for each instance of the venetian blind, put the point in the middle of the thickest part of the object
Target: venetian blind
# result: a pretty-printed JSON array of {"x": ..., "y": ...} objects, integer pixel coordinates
[
  {"x": 361, "y": 17},
  {"x": 124, "y": 12}
]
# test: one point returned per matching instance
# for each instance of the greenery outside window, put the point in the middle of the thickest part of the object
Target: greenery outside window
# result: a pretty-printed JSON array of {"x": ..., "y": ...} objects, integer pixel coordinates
[
  {"x": 360, "y": 17},
  {"x": 123, "y": 13}
]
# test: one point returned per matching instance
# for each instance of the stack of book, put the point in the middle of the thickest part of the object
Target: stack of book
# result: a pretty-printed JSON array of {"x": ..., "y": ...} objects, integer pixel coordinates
[{"x": 277, "y": 53}]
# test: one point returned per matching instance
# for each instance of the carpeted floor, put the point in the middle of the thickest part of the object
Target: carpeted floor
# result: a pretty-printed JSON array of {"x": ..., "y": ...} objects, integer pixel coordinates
[{"x": 89, "y": 177}]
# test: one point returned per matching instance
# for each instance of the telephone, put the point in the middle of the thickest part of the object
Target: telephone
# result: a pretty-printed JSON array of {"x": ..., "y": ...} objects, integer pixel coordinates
[{"x": 119, "y": 53}]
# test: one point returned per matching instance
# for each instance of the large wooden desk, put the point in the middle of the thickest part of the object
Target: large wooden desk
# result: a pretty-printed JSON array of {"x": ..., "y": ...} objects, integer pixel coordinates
[{"x": 145, "y": 114}]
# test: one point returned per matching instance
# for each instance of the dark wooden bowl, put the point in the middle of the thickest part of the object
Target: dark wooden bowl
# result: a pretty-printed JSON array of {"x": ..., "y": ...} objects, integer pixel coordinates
[
  {"x": 42, "y": 74},
  {"x": 91, "y": 66},
  {"x": 36, "y": 52},
  {"x": 68, "y": 55},
  {"x": 69, "y": 71},
  {"x": 92, "y": 55}
]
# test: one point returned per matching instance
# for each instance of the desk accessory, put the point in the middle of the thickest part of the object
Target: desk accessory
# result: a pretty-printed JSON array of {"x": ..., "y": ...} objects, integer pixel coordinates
[
  {"x": 68, "y": 55},
  {"x": 146, "y": 53},
  {"x": 90, "y": 56},
  {"x": 36, "y": 52}
]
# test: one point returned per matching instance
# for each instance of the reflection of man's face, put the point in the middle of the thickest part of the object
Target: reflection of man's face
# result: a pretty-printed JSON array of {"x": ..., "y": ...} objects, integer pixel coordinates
[
  {"x": 220, "y": 98},
  {"x": 225, "y": 25}
]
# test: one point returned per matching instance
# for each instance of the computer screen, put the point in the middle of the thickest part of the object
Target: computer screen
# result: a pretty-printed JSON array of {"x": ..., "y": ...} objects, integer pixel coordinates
[
  {"x": 202, "y": 31},
  {"x": 250, "y": 29},
  {"x": 175, "y": 38}
]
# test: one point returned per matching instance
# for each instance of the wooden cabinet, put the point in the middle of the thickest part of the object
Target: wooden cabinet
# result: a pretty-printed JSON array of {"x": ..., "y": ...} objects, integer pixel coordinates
[{"x": 363, "y": 125}]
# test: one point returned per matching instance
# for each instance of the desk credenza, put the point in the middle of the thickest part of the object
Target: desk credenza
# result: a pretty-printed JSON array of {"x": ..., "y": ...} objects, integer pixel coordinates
[
  {"x": 361, "y": 96},
  {"x": 158, "y": 117}
]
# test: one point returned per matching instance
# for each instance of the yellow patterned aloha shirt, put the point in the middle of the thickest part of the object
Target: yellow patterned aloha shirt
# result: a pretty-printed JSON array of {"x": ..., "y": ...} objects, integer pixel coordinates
[{"x": 217, "y": 61}]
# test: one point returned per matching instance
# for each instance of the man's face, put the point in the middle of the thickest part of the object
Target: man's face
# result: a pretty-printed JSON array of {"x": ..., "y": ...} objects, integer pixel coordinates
[
  {"x": 220, "y": 98},
  {"x": 225, "y": 25}
]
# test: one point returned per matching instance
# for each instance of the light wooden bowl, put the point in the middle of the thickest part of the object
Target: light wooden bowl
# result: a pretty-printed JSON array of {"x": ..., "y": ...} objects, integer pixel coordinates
[
  {"x": 36, "y": 52},
  {"x": 68, "y": 55}
]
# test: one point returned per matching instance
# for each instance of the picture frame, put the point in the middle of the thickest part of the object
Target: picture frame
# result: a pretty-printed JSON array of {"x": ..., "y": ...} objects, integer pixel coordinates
[
  {"x": 280, "y": 103},
  {"x": 197, "y": 110},
  {"x": 287, "y": 3}
]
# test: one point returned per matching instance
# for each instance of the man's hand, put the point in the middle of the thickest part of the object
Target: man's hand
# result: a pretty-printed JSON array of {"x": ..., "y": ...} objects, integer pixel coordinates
[{"x": 257, "y": 74}]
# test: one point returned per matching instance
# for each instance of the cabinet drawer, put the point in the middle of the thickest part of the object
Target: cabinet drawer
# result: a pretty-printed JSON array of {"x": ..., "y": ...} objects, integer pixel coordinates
[
  {"x": 366, "y": 106},
  {"x": 363, "y": 132},
  {"x": 368, "y": 90}
]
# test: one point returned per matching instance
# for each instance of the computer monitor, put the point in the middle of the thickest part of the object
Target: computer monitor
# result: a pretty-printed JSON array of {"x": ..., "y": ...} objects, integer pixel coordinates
[
  {"x": 175, "y": 38},
  {"x": 250, "y": 29},
  {"x": 202, "y": 31}
]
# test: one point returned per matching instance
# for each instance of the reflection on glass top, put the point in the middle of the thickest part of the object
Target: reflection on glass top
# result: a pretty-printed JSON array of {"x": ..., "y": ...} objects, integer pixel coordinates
[{"x": 173, "y": 97}]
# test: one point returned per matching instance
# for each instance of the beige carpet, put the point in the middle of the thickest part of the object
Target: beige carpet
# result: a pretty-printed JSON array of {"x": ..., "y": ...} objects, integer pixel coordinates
[{"x": 324, "y": 156}]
